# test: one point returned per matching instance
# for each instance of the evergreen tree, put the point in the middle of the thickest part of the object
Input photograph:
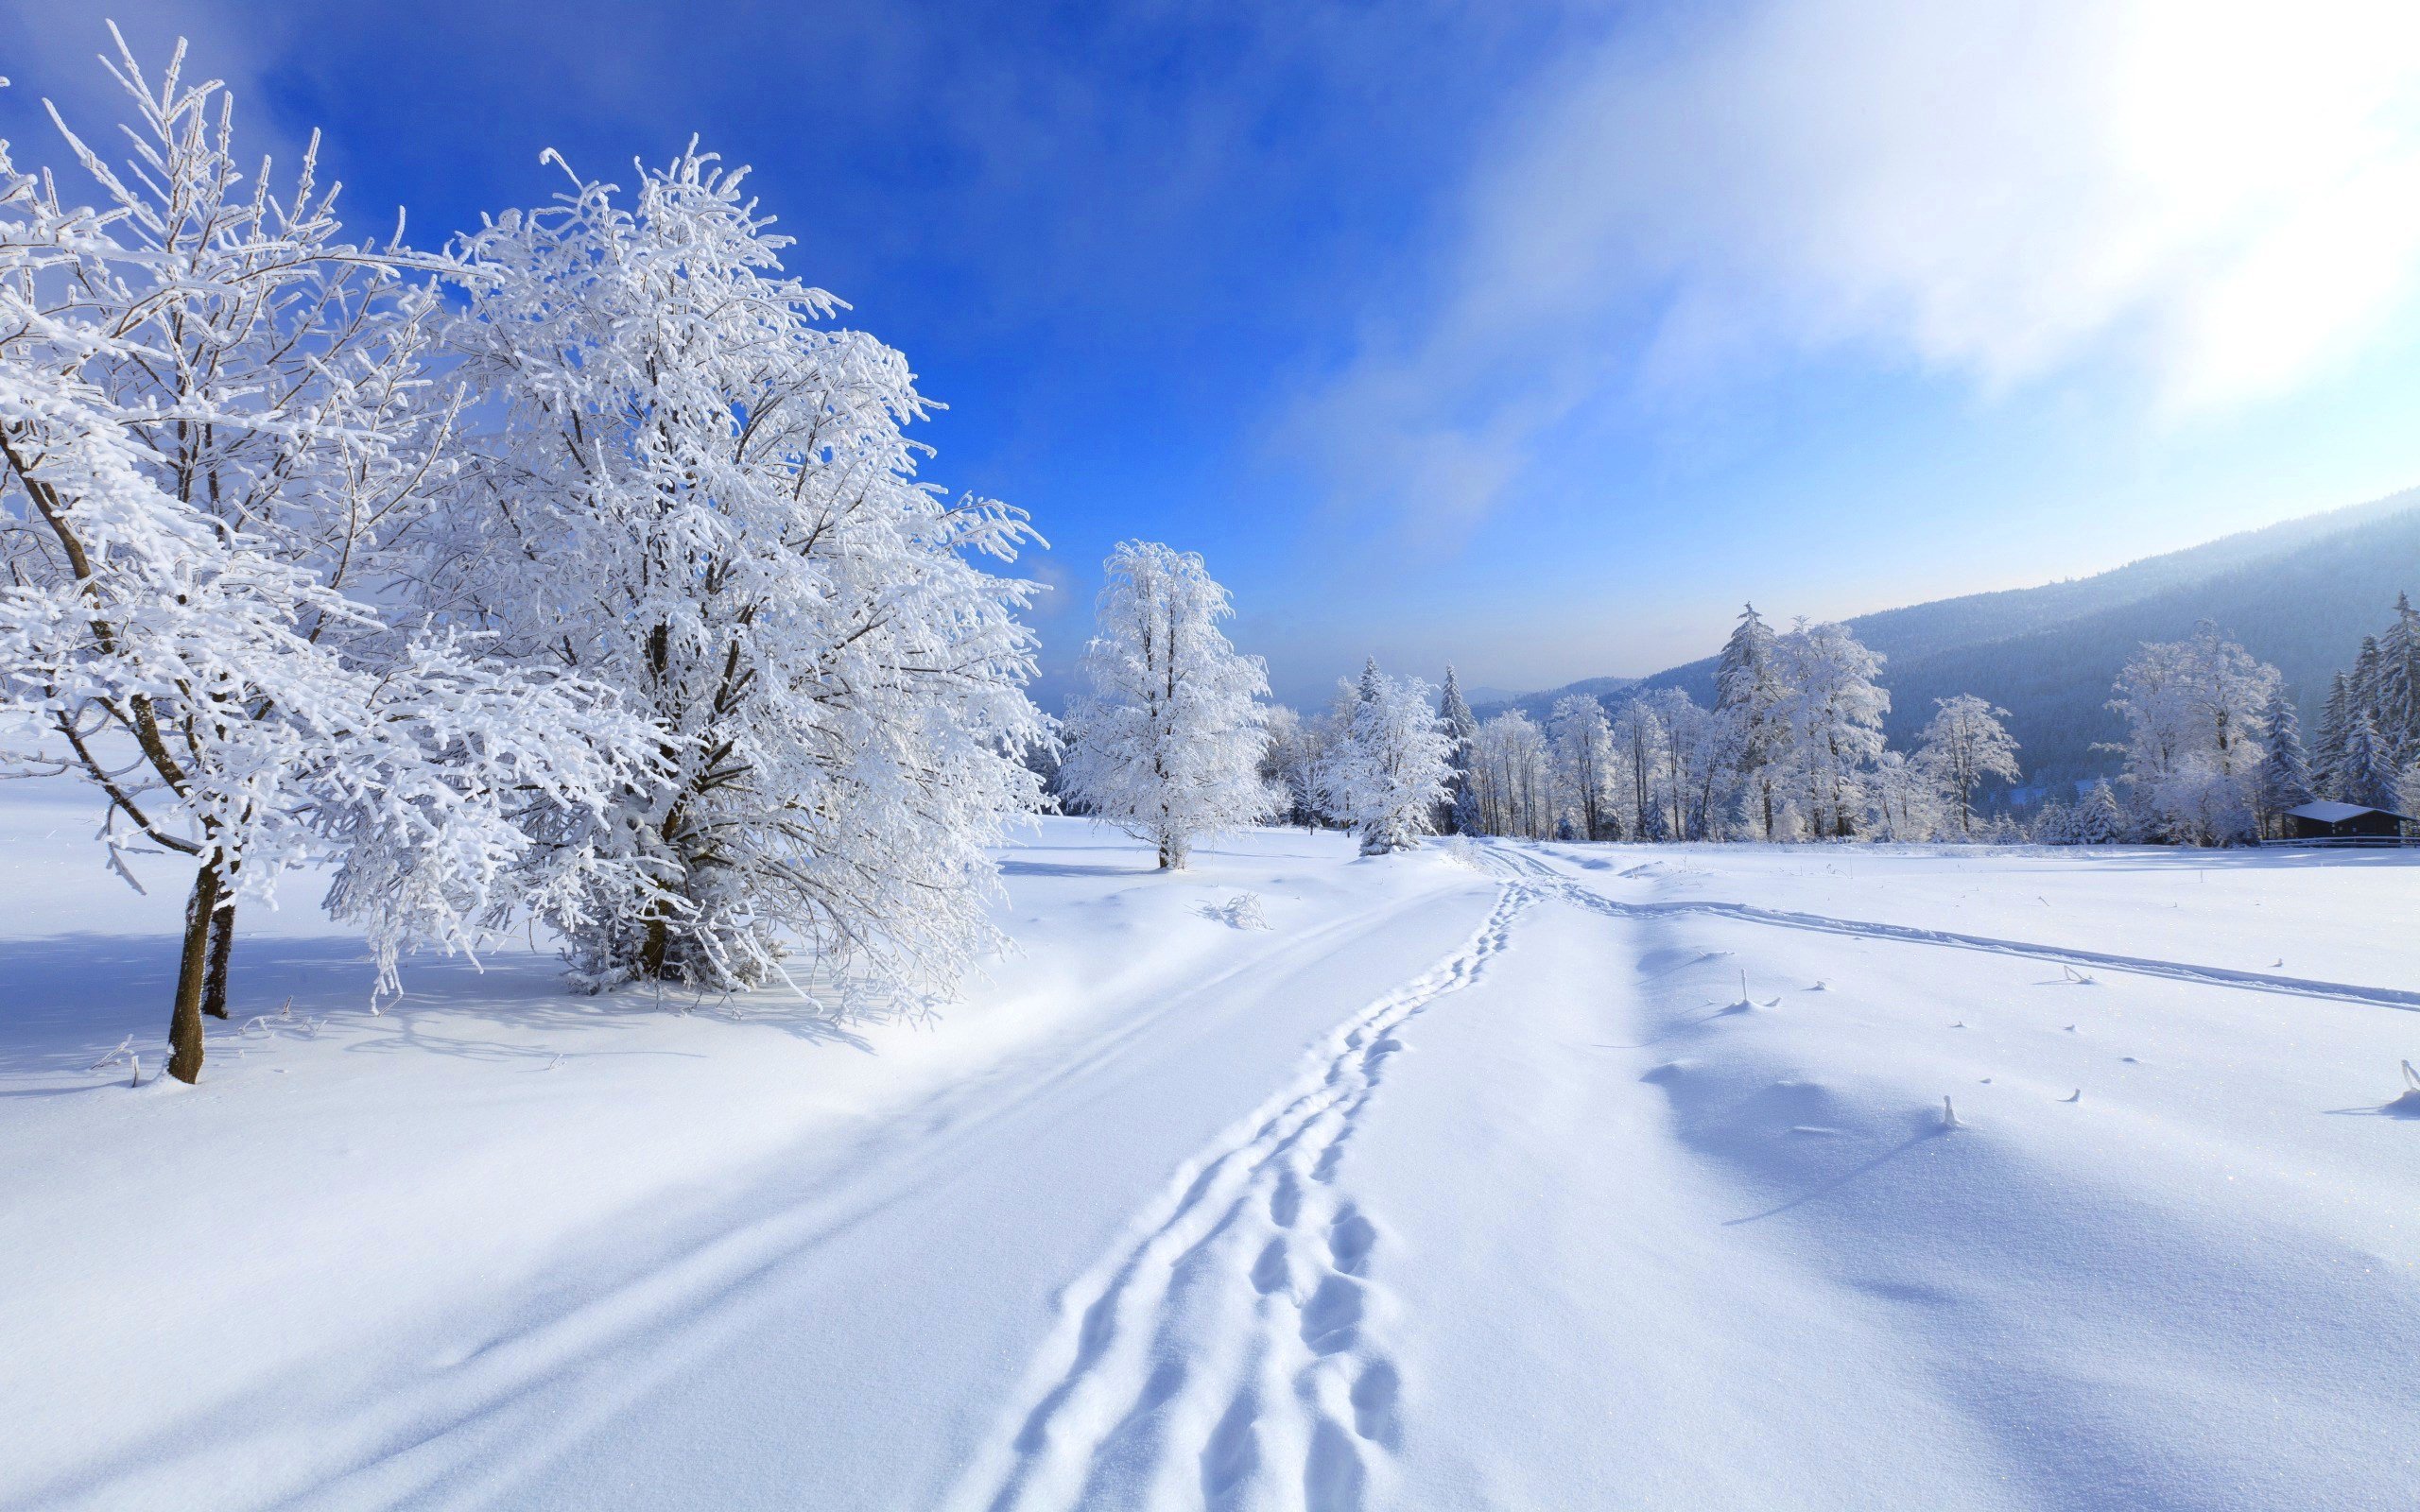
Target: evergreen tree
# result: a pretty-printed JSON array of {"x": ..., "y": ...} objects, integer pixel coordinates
[
  {"x": 2369, "y": 676},
  {"x": 2285, "y": 770},
  {"x": 2398, "y": 694},
  {"x": 2335, "y": 728},
  {"x": 1392, "y": 762},
  {"x": 2368, "y": 775},
  {"x": 1461, "y": 807},
  {"x": 2099, "y": 819}
]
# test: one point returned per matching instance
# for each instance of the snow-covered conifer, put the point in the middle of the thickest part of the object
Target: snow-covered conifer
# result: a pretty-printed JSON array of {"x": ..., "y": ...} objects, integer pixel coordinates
[
  {"x": 2335, "y": 727},
  {"x": 2101, "y": 819},
  {"x": 2398, "y": 691},
  {"x": 697, "y": 492},
  {"x": 2285, "y": 780},
  {"x": 1393, "y": 761},
  {"x": 1964, "y": 744},
  {"x": 1167, "y": 743},
  {"x": 1461, "y": 812},
  {"x": 2367, "y": 773},
  {"x": 220, "y": 435}
]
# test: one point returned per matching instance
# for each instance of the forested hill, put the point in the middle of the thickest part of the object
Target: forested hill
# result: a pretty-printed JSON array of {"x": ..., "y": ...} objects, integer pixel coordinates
[{"x": 2299, "y": 595}]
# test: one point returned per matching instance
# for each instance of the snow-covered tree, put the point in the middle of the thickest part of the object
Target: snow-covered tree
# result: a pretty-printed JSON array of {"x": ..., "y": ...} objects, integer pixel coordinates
[
  {"x": 1512, "y": 775},
  {"x": 1639, "y": 744},
  {"x": 696, "y": 490},
  {"x": 1583, "y": 748},
  {"x": 1964, "y": 744},
  {"x": 1910, "y": 800},
  {"x": 1291, "y": 756},
  {"x": 2367, "y": 773},
  {"x": 220, "y": 435},
  {"x": 1461, "y": 811},
  {"x": 2335, "y": 728},
  {"x": 1690, "y": 762},
  {"x": 2101, "y": 819},
  {"x": 1167, "y": 743},
  {"x": 1747, "y": 696},
  {"x": 1832, "y": 709},
  {"x": 2397, "y": 699},
  {"x": 2053, "y": 824},
  {"x": 2285, "y": 780},
  {"x": 2193, "y": 712},
  {"x": 1392, "y": 762}
]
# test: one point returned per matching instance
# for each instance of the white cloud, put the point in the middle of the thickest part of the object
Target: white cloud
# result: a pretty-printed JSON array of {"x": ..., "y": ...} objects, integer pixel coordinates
[{"x": 2224, "y": 195}]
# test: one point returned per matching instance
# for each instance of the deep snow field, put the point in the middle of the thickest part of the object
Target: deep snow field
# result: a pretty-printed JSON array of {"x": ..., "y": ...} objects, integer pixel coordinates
[{"x": 1490, "y": 1176}]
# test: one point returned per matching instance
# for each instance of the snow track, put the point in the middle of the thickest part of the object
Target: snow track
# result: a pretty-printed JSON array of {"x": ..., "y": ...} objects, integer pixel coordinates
[
  {"x": 1572, "y": 890},
  {"x": 1229, "y": 1351}
]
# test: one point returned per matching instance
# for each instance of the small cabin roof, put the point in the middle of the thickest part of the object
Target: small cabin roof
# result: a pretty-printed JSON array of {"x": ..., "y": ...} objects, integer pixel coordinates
[{"x": 2328, "y": 812}]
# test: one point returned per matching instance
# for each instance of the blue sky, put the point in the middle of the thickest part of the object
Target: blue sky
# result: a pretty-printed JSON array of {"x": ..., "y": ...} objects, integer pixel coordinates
[{"x": 1534, "y": 339}]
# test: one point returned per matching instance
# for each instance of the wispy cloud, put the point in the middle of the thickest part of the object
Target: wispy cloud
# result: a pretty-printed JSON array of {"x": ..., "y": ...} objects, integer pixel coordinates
[{"x": 2222, "y": 196}]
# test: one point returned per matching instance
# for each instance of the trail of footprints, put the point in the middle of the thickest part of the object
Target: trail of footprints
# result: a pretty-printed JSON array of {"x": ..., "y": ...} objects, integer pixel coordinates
[{"x": 1234, "y": 1355}]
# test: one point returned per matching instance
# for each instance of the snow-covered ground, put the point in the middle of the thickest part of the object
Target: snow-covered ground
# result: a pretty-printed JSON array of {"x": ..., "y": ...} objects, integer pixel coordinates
[{"x": 1524, "y": 1176}]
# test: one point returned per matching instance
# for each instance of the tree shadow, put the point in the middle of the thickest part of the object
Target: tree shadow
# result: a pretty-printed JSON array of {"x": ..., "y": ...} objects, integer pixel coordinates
[
  {"x": 1834, "y": 1184},
  {"x": 65, "y": 1000}
]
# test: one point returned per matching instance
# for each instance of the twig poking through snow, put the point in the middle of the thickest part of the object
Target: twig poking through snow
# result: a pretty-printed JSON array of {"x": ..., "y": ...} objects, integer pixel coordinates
[
  {"x": 2078, "y": 978},
  {"x": 125, "y": 1047},
  {"x": 1949, "y": 1116},
  {"x": 2076, "y": 1097},
  {"x": 2411, "y": 1077},
  {"x": 136, "y": 1061}
]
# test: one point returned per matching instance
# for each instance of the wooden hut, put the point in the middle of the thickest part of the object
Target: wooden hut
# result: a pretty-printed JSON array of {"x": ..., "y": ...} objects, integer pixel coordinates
[{"x": 2346, "y": 824}]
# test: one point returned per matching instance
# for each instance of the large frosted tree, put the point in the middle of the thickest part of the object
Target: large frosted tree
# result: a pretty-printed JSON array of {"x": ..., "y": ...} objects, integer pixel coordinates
[
  {"x": 2193, "y": 711},
  {"x": 1963, "y": 743},
  {"x": 1747, "y": 700},
  {"x": 1167, "y": 743},
  {"x": 696, "y": 489},
  {"x": 1831, "y": 709},
  {"x": 1393, "y": 764},
  {"x": 221, "y": 428}
]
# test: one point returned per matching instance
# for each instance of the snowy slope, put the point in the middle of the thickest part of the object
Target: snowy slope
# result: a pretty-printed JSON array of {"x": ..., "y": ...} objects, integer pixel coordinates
[{"x": 1470, "y": 1182}]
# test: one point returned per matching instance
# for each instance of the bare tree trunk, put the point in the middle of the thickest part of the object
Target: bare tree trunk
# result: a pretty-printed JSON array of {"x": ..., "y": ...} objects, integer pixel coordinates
[
  {"x": 222, "y": 946},
  {"x": 193, "y": 967}
]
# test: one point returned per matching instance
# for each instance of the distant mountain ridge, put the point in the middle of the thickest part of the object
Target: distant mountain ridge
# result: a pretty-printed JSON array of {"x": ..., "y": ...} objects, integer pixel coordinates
[{"x": 2299, "y": 595}]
